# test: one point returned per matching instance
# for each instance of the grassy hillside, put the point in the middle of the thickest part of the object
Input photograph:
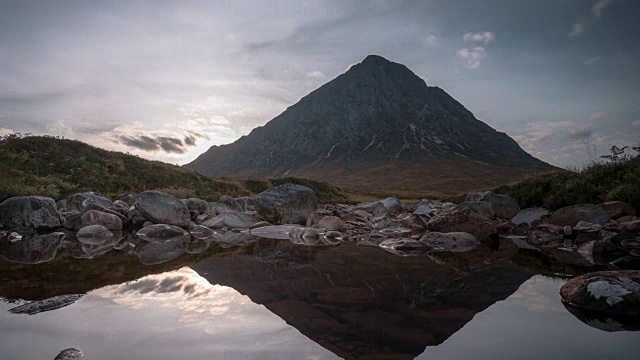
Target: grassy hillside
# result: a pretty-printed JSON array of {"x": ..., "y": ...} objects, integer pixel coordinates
[
  {"x": 617, "y": 179},
  {"x": 48, "y": 166}
]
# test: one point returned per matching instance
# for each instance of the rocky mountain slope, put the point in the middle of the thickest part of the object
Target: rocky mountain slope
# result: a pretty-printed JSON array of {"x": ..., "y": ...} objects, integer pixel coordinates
[{"x": 378, "y": 126}]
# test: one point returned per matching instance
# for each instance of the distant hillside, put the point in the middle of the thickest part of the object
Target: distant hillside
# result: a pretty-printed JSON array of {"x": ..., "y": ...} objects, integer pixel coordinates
[
  {"x": 48, "y": 166},
  {"x": 377, "y": 127}
]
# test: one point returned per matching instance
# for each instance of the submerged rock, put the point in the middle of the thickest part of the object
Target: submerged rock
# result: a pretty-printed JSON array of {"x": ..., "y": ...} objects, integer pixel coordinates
[
  {"x": 406, "y": 247},
  {"x": 280, "y": 232},
  {"x": 36, "y": 212},
  {"x": 97, "y": 232},
  {"x": 151, "y": 253},
  {"x": 197, "y": 246},
  {"x": 611, "y": 292},
  {"x": 161, "y": 233},
  {"x": 286, "y": 204},
  {"x": 454, "y": 241},
  {"x": 32, "y": 248},
  {"x": 95, "y": 217},
  {"x": 201, "y": 232},
  {"x": 162, "y": 208}
]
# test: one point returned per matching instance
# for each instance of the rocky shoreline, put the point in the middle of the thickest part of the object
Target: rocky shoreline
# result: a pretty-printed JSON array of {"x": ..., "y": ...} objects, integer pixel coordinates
[{"x": 158, "y": 227}]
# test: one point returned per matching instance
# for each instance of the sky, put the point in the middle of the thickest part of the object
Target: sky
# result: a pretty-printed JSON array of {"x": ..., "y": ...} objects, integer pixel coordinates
[{"x": 166, "y": 80}]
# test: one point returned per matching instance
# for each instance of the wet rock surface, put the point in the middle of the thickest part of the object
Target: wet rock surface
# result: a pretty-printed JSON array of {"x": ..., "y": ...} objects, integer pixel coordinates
[
  {"x": 286, "y": 204},
  {"x": 36, "y": 212},
  {"x": 611, "y": 292},
  {"x": 161, "y": 208}
]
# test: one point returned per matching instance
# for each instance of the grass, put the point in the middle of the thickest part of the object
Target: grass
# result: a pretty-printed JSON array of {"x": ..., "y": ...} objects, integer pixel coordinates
[
  {"x": 596, "y": 183},
  {"x": 55, "y": 167}
]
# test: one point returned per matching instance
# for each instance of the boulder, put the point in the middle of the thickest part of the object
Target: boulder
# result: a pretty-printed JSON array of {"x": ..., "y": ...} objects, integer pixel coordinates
[
  {"x": 232, "y": 203},
  {"x": 330, "y": 223},
  {"x": 405, "y": 247},
  {"x": 375, "y": 208},
  {"x": 480, "y": 207},
  {"x": 70, "y": 219},
  {"x": 79, "y": 201},
  {"x": 613, "y": 292},
  {"x": 583, "y": 226},
  {"x": 161, "y": 232},
  {"x": 528, "y": 216},
  {"x": 198, "y": 205},
  {"x": 632, "y": 226},
  {"x": 392, "y": 205},
  {"x": 235, "y": 220},
  {"x": 286, "y": 204},
  {"x": 61, "y": 204},
  {"x": 423, "y": 208},
  {"x": 594, "y": 247},
  {"x": 70, "y": 354},
  {"x": 28, "y": 247},
  {"x": 34, "y": 212},
  {"x": 246, "y": 203},
  {"x": 461, "y": 219},
  {"x": 94, "y": 217},
  {"x": 219, "y": 208},
  {"x": 504, "y": 206},
  {"x": 129, "y": 199},
  {"x": 453, "y": 241},
  {"x": 618, "y": 209},
  {"x": 162, "y": 208},
  {"x": 151, "y": 253},
  {"x": 572, "y": 215},
  {"x": 200, "y": 232}
]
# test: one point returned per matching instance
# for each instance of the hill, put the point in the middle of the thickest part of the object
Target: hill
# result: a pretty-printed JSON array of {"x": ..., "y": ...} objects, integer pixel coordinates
[
  {"x": 378, "y": 127},
  {"x": 48, "y": 166}
]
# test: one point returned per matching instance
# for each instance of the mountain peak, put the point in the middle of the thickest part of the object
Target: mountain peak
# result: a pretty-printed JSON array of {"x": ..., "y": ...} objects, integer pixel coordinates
[{"x": 375, "y": 59}]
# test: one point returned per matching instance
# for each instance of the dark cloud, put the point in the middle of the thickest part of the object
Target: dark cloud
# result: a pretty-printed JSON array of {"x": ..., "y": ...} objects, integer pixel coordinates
[
  {"x": 159, "y": 143},
  {"x": 579, "y": 134}
]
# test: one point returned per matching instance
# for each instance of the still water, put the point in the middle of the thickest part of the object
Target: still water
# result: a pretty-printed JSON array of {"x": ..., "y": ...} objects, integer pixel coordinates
[{"x": 271, "y": 299}]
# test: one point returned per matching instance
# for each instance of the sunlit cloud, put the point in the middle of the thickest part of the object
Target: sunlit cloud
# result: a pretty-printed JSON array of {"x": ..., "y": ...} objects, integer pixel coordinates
[{"x": 484, "y": 37}]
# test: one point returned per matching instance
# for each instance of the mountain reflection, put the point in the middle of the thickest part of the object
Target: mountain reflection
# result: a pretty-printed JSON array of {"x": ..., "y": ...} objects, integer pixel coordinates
[{"x": 360, "y": 302}]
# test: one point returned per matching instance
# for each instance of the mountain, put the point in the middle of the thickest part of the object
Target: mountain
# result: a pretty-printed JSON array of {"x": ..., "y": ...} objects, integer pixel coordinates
[
  {"x": 378, "y": 126},
  {"x": 48, "y": 166}
]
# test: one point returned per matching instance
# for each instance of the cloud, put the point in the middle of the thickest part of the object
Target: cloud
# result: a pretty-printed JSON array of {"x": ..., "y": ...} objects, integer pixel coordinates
[
  {"x": 597, "y": 8},
  {"x": 316, "y": 75},
  {"x": 432, "y": 41},
  {"x": 473, "y": 56},
  {"x": 159, "y": 143},
  {"x": 635, "y": 124},
  {"x": 596, "y": 13},
  {"x": 579, "y": 134},
  {"x": 599, "y": 115},
  {"x": 4, "y": 131},
  {"x": 483, "y": 37}
]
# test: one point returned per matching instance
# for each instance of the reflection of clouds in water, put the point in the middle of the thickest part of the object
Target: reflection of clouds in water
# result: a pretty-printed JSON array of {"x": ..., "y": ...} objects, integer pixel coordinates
[
  {"x": 182, "y": 290},
  {"x": 540, "y": 294}
]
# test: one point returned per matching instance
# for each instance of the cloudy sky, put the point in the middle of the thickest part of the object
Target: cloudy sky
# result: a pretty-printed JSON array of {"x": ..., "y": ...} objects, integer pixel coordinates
[{"x": 167, "y": 79}]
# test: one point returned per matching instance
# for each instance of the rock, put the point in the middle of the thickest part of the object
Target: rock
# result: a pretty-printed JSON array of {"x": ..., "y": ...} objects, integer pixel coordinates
[
  {"x": 461, "y": 219},
  {"x": 382, "y": 224},
  {"x": 627, "y": 263},
  {"x": 392, "y": 205},
  {"x": 543, "y": 235},
  {"x": 246, "y": 203},
  {"x": 330, "y": 223},
  {"x": 61, "y": 204},
  {"x": 135, "y": 217},
  {"x": 633, "y": 226},
  {"x": 69, "y": 354},
  {"x": 197, "y": 246},
  {"x": 32, "y": 248},
  {"x": 280, "y": 232},
  {"x": 504, "y": 206},
  {"x": 453, "y": 241},
  {"x": 198, "y": 205},
  {"x": 129, "y": 199},
  {"x": 424, "y": 208},
  {"x": 161, "y": 232},
  {"x": 232, "y": 203},
  {"x": 583, "y": 226},
  {"x": 234, "y": 220},
  {"x": 528, "y": 216},
  {"x": 480, "y": 207},
  {"x": 406, "y": 247},
  {"x": 34, "y": 212},
  {"x": 617, "y": 209},
  {"x": 201, "y": 232},
  {"x": 612, "y": 292},
  {"x": 94, "y": 232},
  {"x": 332, "y": 234},
  {"x": 70, "y": 219},
  {"x": 219, "y": 208},
  {"x": 626, "y": 218},
  {"x": 286, "y": 204},
  {"x": 94, "y": 217},
  {"x": 162, "y": 208},
  {"x": 376, "y": 208},
  {"x": 593, "y": 247},
  {"x": 572, "y": 215},
  {"x": 79, "y": 201}
]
